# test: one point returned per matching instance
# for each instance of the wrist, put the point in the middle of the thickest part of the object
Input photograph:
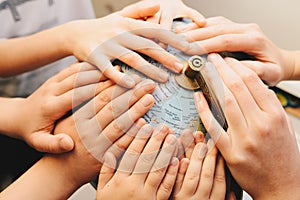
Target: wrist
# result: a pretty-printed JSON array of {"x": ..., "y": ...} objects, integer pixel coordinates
[
  {"x": 288, "y": 64},
  {"x": 11, "y": 124}
]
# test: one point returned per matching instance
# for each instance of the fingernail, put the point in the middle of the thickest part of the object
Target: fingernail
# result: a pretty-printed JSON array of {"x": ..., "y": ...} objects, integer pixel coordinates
[
  {"x": 171, "y": 139},
  {"x": 203, "y": 150},
  {"x": 197, "y": 96},
  {"x": 67, "y": 143},
  {"x": 147, "y": 100},
  {"x": 163, "y": 76},
  {"x": 163, "y": 128},
  {"x": 145, "y": 132},
  {"x": 174, "y": 161},
  {"x": 178, "y": 66}
]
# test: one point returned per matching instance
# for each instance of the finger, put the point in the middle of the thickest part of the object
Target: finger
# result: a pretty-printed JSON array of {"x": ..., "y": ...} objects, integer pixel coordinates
[
  {"x": 238, "y": 89},
  {"x": 219, "y": 185},
  {"x": 103, "y": 63},
  {"x": 159, "y": 168},
  {"x": 166, "y": 186},
  {"x": 77, "y": 96},
  {"x": 213, "y": 31},
  {"x": 46, "y": 142},
  {"x": 186, "y": 27},
  {"x": 199, "y": 137},
  {"x": 181, "y": 151},
  {"x": 121, "y": 104},
  {"x": 107, "y": 170},
  {"x": 261, "y": 95},
  {"x": 197, "y": 17},
  {"x": 213, "y": 128},
  {"x": 73, "y": 69},
  {"x": 147, "y": 158},
  {"x": 104, "y": 97},
  {"x": 207, "y": 173},
  {"x": 140, "y": 10},
  {"x": 262, "y": 69},
  {"x": 134, "y": 60},
  {"x": 134, "y": 150},
  {"x": 120, "y": 146},
  {"x": 166, "y": 20},
  {"x": 119, "y": 126},
  {"x": 192, "y": 176},
  {"x": 78, "y": 80},
  {"x": 155, "y": 18},
  {"x": 151, "y": 49},
  {"x": 177, "y": 41},
  {"x": 184, "y": 163},
  {"x": 228, "y": 42},
  {"x": 188, "y": 143},
  {"x": 223, "y": 96}
]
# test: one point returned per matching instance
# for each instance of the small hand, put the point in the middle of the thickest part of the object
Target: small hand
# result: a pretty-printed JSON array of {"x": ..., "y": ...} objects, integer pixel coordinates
[
  {"x": 202, "y": 176},
  {"x": 57, "y": 96},
  {"x": 148, "y": 165},
  {"x": 117, "y": 36}
]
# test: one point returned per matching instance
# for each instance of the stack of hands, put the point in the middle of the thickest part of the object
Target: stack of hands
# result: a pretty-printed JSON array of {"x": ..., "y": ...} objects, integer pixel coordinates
[{"x": 105, "y": 134}]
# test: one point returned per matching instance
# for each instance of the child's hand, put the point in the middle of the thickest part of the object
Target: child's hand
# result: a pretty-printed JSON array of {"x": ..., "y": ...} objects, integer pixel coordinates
[
  {"x": 117, "y": 36},
  {"x": 187, "y": 142},
  {"x": 172, "y": 9},
  {"x": 110, "y": 119},
  {"x": 57, "y": 96},
  {"x": 146, "y": 171},
  {"x": 202, "y": 176}
]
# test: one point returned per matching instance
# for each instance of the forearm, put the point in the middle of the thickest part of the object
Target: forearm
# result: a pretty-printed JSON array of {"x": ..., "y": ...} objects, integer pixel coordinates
[
  {"x": 48, "y": 179},
  {"x": 32, "y": 51},
  {"x": 10, "y": 115}
]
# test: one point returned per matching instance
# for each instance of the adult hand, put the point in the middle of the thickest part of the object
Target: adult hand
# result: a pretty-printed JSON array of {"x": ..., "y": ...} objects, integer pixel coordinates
[
  {"x": 272, "y": 64},
  {"x": 259, "y": 146}
]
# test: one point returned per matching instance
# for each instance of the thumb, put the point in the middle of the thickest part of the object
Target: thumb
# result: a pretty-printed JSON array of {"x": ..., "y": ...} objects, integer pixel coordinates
[
  {"x": 140, "y": 10},
  {"x": 46, "y": 142}
]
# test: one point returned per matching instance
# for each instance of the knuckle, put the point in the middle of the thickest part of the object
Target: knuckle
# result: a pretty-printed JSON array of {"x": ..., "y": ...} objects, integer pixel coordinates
[
  {"x": 166, "y": 189},
  {"x": 226, "y": 41},
  {"x": 236, "y": 85},
  {"x": 220, "y": 179},
  {"x": 104, "y": 98},
  {"x": 118, "y": 127},
  {"x": 251, "y": 78},
  {"x": 148, "y": 158},
  {"x": 208, "y": 174}
]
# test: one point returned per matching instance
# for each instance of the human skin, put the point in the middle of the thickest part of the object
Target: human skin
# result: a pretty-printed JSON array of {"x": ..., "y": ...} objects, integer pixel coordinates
[
  {"x": 97, "y": 127},
  {"x": 149, "y": 165},
  {"x": 32, "y": 119},
  {"x": 116, "y": 36},
  {"x": 272, "y": 64},
  {"x": 259, "y": 146}
]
